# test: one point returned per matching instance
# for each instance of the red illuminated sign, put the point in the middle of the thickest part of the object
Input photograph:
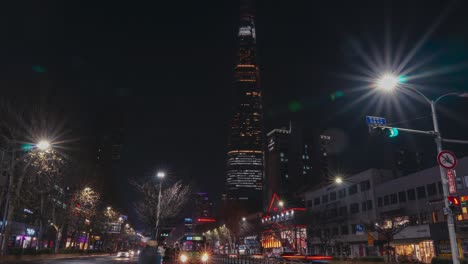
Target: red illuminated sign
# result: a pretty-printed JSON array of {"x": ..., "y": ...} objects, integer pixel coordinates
[
  {"x": 206, "y": 220},
  {"x": 451, "y": 181}
]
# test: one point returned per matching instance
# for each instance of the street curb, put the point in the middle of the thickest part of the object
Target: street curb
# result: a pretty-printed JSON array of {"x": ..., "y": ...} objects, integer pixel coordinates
[{"x": 47, "y": 257}]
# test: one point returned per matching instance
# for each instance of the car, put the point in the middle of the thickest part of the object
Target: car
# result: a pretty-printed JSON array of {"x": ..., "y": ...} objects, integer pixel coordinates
[
  {"x": 123, "y": 254},
  {"x": 242, "y": 250}
]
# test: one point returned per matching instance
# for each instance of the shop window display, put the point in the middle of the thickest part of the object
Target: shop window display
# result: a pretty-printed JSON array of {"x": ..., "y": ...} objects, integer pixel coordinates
[{"x": 422, "y": 251}]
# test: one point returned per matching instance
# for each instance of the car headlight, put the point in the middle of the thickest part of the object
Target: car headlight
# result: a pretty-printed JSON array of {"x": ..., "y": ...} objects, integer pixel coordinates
[
  {"x": 183, "y": 258},
  {"x": 204, "y": 257}
]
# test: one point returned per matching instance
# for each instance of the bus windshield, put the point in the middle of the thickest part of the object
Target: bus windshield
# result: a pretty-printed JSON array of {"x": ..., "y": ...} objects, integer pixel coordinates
[{"x": 193, "y": 243}]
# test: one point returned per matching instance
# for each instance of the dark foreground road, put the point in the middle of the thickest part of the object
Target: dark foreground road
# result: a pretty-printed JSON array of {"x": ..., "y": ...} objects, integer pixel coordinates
[{"x": 81, "y": 260}]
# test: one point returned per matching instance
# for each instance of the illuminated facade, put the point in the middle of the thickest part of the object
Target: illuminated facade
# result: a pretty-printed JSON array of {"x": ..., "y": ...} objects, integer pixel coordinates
[
  {"x": 245, "y": 165},
  {"x": 284, "y": 228}
]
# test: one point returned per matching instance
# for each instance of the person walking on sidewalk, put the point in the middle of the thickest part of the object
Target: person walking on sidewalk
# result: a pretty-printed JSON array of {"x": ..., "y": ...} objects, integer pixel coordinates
[{"x": 150, "y": 254}]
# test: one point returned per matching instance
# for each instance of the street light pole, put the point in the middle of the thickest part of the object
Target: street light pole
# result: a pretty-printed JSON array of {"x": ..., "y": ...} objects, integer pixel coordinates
[
  {"x": 389, "y": 82},
  {"x": 160, "y": 175},
  {"x": 443, "y": 178}
]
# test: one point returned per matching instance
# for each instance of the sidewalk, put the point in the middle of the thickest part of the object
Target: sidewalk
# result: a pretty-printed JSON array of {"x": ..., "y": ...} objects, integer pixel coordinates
[{"x": 11, "y": 258}]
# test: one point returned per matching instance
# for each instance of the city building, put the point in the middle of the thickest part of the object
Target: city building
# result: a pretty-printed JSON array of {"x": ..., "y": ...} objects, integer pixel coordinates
[
  {"x": 203, "y": 206},
  {"x": 288, "y": 164},
  {"x": 245, "y": 156},
  {"x": 346, "y": 211},
  {"x": 107, "y": 165},
  {"x": 326, "y": 165}
]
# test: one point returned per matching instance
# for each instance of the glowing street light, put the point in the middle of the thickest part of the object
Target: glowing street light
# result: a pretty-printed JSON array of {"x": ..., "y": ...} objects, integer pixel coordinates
[
  {"x": 109, "y": 208},
  {"x": 338, "y": 180},
  {"x": 43, "y": 145},
  {"x": 243, "y": 219},
  {"x": 281, "y": 203},
  {"x": 160, "y": 174},
  {"x": 388, "y": 82}
]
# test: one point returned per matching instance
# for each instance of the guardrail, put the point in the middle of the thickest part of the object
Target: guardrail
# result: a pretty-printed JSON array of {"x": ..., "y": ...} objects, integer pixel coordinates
[{"x": 249, "y": 260}]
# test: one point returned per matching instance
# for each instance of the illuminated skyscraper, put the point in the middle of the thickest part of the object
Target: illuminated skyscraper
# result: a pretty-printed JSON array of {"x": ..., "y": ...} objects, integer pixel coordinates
[{"x": 245, "y": 165}]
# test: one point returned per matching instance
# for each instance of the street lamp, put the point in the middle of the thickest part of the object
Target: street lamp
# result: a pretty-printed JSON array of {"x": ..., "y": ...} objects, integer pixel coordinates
[
  {"x": 243, "y": 219},
  {"x": 390, "y": 82},
  {"x": 338, "y": 180},
  {"x": 43, "y": 145},
  {"x": 160, "y": 175},
  {"x": 281, "y": 204}
]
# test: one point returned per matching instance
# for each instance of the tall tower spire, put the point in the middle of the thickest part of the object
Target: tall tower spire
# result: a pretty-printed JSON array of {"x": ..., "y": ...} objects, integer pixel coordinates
[{"x": 245, "y": 157}]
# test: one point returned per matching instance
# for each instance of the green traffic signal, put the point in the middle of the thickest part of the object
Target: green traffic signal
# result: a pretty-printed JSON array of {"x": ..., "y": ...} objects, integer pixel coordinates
[
  {"x": 392, "y": 132},
  {"x": 27, "y": 147}
]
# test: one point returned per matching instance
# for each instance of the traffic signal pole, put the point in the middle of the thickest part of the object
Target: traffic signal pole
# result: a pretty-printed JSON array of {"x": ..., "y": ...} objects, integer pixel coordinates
[
  {"x": 380, "y": 122},
  {"x": 443, "y": 178}
]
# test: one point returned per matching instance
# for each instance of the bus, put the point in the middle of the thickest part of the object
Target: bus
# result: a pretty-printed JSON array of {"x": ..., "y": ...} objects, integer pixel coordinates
[{"x": 193, "y": 249}]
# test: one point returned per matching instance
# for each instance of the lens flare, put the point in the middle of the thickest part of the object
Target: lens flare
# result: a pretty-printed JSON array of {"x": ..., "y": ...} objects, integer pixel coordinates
[{"x": 388, "y": 82}]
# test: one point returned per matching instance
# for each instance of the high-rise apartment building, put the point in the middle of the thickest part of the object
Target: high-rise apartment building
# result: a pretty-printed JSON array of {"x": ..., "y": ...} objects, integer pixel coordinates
[
  {"x": 288, "y": 164},
  {"x": 245, "y": 161}
]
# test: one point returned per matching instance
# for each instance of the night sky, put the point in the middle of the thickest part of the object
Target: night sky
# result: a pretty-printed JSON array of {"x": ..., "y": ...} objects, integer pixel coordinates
[{"x": 162, "y": 71}]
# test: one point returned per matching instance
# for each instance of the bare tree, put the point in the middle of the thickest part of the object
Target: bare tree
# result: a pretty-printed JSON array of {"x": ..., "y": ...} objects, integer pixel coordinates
[
  {"x": 225, "y": 236},
  {"x": 80, "y": 212},
  {"x": 387, "y": 228},
  {"x": 173, "y": 199},
  {"x": 321, "y": 226},
  {"x": 44, "y": 188},
  {"x": 20, "y": 160}
]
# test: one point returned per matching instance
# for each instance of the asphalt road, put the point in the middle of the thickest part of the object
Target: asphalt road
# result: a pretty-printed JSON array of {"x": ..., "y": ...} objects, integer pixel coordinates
[{"x": 82, "y": 260}]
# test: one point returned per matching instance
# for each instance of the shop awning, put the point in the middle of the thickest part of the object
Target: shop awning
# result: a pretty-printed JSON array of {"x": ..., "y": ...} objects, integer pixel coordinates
[{"x": 409, "y": 241}]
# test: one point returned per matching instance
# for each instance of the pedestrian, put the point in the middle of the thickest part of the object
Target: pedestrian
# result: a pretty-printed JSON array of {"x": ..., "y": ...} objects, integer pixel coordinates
[
  {"x": 161, "y": 251},
  {"x": 150, "y": 254}
]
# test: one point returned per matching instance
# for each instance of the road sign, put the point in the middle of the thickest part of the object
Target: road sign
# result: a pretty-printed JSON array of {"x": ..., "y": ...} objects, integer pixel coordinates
[
  {"x": 447, "y": 159},
  {"x": 359, "y": 229},
  {"x": 375, "y": 121}
]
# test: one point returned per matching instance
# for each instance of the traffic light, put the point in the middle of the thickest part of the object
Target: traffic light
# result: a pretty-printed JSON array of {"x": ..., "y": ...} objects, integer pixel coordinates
[
  {"x": 390, "y": 132},
  {"x": 27, "y": 147},
  {"x": 454, "y": 204}
]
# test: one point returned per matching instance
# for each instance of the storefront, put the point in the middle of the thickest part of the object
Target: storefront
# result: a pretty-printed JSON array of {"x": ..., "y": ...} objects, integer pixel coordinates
[
  {"x": 422, "y": 250},
  {"x": 22, "y": 236},
  {"x": 284, "y": 229},
  {"x": 415, "y": 242}
]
